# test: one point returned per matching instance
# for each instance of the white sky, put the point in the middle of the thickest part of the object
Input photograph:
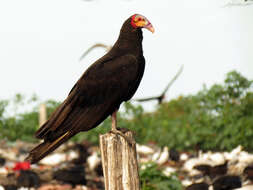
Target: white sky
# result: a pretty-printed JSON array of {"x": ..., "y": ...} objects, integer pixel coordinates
[{"x": 42, "y": 40}]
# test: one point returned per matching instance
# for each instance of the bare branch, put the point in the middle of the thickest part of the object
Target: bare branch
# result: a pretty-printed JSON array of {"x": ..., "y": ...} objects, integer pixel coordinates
[
  {"x": 161, "y": 97},
  {"x": 106, "y": 47},
  {"x": 241, "y": 3}
]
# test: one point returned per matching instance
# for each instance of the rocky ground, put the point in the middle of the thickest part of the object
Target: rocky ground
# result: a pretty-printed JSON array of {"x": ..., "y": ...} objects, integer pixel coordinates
[{"x": 78, "y": 166}]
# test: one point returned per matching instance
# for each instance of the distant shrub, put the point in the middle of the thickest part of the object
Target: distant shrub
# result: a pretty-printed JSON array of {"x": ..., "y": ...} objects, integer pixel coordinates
[
  {"x": 215, "y": 118},
  {"x": 153, "y": 179}
]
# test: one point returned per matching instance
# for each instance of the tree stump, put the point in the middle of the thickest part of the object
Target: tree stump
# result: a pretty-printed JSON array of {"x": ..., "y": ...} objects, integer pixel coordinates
[{"x": 119, "y": 160}]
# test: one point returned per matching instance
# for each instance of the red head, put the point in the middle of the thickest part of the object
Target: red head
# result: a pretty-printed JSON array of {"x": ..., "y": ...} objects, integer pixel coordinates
[{"x": 139, "y": 21}]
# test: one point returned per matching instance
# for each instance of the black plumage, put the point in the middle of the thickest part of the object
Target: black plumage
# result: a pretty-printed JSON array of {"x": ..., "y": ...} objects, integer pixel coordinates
[
  {"x": 74, "y": 175},
  {"x": 108, "y": 82},
  {"x": 198, "y": 186},
  {"x": 174, "y": 155},
  {"x": 248, "y": 172},
  {"x": 227, "y": 183},
  {"x": 212, "y": 171},
  {"x": 2, "y": 161},
  {"x": 10, "y": 187},
  {"x": 28, "y": 178}
]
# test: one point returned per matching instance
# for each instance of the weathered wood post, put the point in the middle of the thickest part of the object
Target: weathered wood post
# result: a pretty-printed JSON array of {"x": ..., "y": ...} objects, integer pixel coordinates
[
  {"x": 42, "y": 114},
  {"x": 119, "y": 162}
]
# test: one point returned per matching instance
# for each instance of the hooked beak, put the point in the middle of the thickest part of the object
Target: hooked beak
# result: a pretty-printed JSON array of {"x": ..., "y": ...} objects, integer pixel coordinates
[{"x": 149, "y": 27}]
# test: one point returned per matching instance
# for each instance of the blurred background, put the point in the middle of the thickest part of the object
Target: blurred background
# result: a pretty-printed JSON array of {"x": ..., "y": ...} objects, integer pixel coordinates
[
  {"x": 41, "y": 42},
  {"x": 208, "y": 107}
]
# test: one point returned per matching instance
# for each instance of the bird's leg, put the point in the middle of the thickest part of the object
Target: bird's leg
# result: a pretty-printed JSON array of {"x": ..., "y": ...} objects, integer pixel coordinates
[
  {"x": 116, "y": 131},
  {"x": 114, "y": 121}
]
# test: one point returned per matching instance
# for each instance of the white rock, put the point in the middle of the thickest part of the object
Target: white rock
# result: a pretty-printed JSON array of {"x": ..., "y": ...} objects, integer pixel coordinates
[
  {"x": 164, "y": 157},
  {"x": 248, "y": 187},
  {"x": 236, "y": 168},
  {"x": 84, "y": 187},
  {"x": 205, "y": 156},
  {"x": 10, "y": 155},
  {"x": 236, "y": 151},
  {"x": 169, "y": 170},
  {"x": 229, "y": 156},
  {"x": 194, "y": 172},
  {"x": 143, "y": 149},
  {"x": 184, "y": 157},
  {"x": 72, "y": 155},
  {"x": 23, "y": 188},
  {"x": 233, "y": 154},
  {"x": 186, "y": 182},
  {"x": 189, "y": 164},
  {"x": 245, "y": 157},
  {"x": 53, "y": 159},
  {"x": 93, "y": 160},
  {"x": 217, "y": 158},
  {"x": 144, "y": 166},
  {"x": 3, "y": 171},
  {"x": 156, "y": 155}
]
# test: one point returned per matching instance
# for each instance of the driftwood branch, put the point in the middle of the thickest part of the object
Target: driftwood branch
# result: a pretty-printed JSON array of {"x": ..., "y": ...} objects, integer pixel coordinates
[
  {"x": 161, "y": 97},
  {"x": 106, "y": 47},
  {"x": 119, "y": 161}
]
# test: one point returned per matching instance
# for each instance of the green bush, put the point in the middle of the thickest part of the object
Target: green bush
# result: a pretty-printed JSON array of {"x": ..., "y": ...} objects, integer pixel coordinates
[
  {"x": 215, "y": 118},
  {"x": 21, "y": 125},
  {"x": 152, "y": 178}
]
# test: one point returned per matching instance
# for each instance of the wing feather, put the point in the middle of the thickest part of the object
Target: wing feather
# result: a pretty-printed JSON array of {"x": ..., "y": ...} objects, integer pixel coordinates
[{"x": 96, "y": 95}]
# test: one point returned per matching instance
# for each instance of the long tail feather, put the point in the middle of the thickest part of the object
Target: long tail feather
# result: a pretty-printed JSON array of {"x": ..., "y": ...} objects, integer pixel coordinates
[{"x": 47, "y": 147}]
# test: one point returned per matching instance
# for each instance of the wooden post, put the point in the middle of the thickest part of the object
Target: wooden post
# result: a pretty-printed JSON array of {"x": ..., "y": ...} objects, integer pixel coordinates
[
  {"x": 42, "y": 114},
  {"x": 119, "y": 162}
]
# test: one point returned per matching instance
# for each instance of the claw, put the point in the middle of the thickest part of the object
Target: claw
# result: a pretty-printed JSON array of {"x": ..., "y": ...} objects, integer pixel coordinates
[{"x": 118, "y": 132}]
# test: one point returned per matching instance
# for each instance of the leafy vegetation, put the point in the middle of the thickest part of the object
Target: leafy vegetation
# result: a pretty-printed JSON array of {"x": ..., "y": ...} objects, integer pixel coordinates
[
  {"x": 152, "y": 178},
  {"x": 23, "y": 124},
  {"x": 216, "y": 118}
]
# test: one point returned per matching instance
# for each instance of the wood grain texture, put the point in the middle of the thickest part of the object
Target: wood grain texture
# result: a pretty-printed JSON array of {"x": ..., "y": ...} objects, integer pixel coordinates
[{"x": 119, "y": 161}]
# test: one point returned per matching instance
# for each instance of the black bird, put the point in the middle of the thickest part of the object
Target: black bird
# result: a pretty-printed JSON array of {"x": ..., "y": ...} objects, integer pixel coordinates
[
  {"x": 161, "y": 97},
  {"x": 108, "y": 82},
  {"x": 197, "y": 186},
  {"x": 74, "y": 175},
  {"x": 248, "y": 172},
  {"x": 2, "y": 161},
  {"x": 212, "y": 171},
  {"x": 227, "y": 183},
  {"x": 174, "y": 155},
  {"x": 28, "y": 178},
  {"x": 106, "y": 47},
  {"x": 10, "y": 187}
]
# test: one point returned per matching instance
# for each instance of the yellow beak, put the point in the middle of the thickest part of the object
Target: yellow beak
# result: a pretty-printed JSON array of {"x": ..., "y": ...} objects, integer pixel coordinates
[{"x": 150, "y": 27}]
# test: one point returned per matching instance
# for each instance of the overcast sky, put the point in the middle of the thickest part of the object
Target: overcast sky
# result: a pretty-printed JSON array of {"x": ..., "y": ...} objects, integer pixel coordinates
[{"x": 42, "y": 40}]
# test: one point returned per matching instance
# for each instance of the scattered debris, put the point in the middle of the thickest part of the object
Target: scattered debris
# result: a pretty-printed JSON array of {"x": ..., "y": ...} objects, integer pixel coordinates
[{"x": 77, "y": 166}]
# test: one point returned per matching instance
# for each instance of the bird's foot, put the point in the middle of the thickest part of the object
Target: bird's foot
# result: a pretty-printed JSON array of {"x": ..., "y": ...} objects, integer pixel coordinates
[{"x": 118, "y": 132}]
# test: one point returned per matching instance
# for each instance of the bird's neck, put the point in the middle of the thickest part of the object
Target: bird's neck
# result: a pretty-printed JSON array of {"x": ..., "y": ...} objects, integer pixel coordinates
[{"x": 130, "y": 40}]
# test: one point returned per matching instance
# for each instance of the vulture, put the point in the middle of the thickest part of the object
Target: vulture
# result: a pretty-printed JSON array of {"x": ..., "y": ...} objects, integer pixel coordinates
[{"x": 111, "y": 80}]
